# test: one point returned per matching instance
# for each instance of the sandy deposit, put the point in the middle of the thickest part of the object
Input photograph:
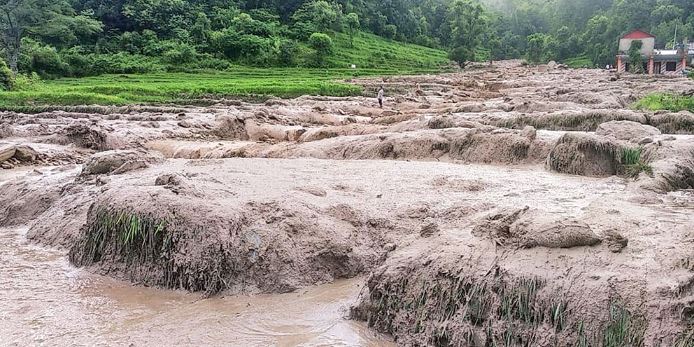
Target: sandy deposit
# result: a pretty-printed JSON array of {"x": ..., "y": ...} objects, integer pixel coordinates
[{"x": 496, "y": 206}]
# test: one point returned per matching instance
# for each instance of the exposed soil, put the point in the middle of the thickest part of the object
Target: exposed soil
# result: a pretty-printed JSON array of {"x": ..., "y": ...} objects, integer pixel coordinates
[{"x": 497, "y": 206}]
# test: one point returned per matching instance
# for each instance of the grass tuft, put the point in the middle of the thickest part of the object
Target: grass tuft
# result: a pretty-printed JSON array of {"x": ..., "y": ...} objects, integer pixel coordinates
[
  {"x": 633, "y": 164},
  {"x": 623, "y": 329}
]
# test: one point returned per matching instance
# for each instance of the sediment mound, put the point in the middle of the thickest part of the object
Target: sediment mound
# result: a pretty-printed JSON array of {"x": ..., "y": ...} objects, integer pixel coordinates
[
  {"x": 469, "y": 145},
  {"x": 584, "y": 154},
  {"x": 627, "y": 131},
  {"x": 482, "y": 304},
  {"x": 177, "y": 232},
  {"x": 528, "y": 229},
  {"x": 118, "y": 162},
  {"x": 585, "y": 120},
  {"x": 92, "y": 137}
]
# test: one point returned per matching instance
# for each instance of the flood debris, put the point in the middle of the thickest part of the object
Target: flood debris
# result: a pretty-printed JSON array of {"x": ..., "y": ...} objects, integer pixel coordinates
[{"x": 496, "y": 206}]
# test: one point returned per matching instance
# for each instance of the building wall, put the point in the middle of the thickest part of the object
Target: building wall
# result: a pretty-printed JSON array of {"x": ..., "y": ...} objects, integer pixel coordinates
[{"x": 646, "y": 49}]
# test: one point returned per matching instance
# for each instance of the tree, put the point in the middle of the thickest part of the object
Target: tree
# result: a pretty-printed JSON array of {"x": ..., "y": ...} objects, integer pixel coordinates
[
  {"x": 635, "y": 59},
  {"x": 536, "y": 48},
  {"x": 322, "y": 44},
  {"x": 317, "y": 15},
  {"x": 467, "y": 22},
  {"x": 19, "y": 18},
  {"x": 353, "y": 25}
]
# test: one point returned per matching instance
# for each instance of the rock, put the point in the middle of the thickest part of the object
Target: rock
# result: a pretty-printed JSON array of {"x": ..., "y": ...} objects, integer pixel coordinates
[
  {"x": 118, "y": 162},
  {"x": 645, "y": 140},
  {"x": 529, "y": 132},
  {"x": 627, "y": 130},
  {"x": 6, "y": 166},
  {"x": 169, "y": 180},
  {"x": 7, "y": 152},
  {"x": 615, "y": 242},
  {"x": 25, "y": 154},
  {"x": 185, "y": 124},
  {"x": 552, "y": 64},
  {"x": 429, "y": 229},
  {"x": 389, "y": 247},
  {"x": 315, "y": 191}
]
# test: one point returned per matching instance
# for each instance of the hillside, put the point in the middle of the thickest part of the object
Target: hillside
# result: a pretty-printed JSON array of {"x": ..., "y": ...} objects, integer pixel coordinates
[{"x": 374, "y": 52}]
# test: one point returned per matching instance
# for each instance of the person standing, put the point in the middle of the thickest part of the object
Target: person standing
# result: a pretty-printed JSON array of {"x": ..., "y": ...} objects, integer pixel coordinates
[{"x": 381, "y": 93}]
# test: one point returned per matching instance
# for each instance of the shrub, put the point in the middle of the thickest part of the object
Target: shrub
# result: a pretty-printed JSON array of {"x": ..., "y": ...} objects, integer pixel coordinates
[
  {"x": 7, "y": 78},
  {"x": 29, "y": 81},
  {"x": 178, "y": 53},
  {"x": 288, "y": 51},
  {"x": 390, "y": 31},
  {"x": 42, "y": 59},
  {"x": 635, "y": 59}
]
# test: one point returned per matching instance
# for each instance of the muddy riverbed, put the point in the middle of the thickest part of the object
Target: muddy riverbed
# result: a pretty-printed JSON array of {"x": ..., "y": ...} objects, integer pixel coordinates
[{"x": 507, "y": 205}]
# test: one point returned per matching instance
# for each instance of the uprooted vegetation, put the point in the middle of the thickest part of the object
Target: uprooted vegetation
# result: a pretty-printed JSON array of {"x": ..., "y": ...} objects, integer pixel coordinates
[
  {"x": 588, "y": 155},
  {"x": 493, "y": 309},
  {"x": 146, "y": 246}
]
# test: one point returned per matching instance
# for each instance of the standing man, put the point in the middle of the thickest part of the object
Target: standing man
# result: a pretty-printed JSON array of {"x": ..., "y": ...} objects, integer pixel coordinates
[{"x": 380, "y": 97}]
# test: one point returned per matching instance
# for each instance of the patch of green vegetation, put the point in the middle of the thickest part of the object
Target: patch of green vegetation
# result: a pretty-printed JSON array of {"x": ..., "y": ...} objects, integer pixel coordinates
[
  {"x": 581, "y": 61},
  {"x": 184, "y": 88},
  {"x": 633, "y": 162},
  {"x": 663, "y": 101},
  {"x": 374, "y": 52},
  {"x": 372, "y": 55},
  {"x": 134, "y": 237}
]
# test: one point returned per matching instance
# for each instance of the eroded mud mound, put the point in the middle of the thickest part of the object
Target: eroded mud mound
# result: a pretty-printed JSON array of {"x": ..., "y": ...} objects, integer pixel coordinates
[
  {"x": 584, "y": 154},
  {"x": 429, "y": 193}
]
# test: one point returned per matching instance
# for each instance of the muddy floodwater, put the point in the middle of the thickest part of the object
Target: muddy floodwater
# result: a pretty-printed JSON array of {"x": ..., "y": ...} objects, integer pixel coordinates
[{"x": 46, "y": 301}]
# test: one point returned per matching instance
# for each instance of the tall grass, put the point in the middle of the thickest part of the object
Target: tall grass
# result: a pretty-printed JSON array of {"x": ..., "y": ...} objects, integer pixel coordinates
[
  {"x": 633, "y": 163},
  {"x": 133, "y": 236}
]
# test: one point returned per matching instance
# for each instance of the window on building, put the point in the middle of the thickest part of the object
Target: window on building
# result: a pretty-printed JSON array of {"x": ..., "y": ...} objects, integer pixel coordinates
[{"x": 671, "y": 66}]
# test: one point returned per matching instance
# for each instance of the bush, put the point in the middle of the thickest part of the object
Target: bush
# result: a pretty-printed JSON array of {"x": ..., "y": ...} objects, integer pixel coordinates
[
  {"x": 322, "y": 44},
  {"x": 390, "y": 31},
  {"x": 25, "y": 82},
  {"x": 178, "y": 53},
  {"x": 122, "y": 63},
  {"x": 42, "y": 59},
  {"x": 288, "y": 51},
  {"x": 7, "y": 79}
]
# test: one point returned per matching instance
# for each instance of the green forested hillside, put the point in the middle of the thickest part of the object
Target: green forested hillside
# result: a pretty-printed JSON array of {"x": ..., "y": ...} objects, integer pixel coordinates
[{"x": 55, "y": 38}]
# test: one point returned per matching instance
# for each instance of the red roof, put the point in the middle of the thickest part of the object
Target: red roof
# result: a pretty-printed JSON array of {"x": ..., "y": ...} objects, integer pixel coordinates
[{"x": 638, "y": 34}]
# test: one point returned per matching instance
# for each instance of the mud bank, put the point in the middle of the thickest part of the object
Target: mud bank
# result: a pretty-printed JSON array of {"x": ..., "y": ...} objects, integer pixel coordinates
[{"x": 502, "y": 205}]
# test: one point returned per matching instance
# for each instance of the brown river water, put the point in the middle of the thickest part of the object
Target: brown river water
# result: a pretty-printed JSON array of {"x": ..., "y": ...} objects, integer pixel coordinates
[{"x": 46, "y": 301}]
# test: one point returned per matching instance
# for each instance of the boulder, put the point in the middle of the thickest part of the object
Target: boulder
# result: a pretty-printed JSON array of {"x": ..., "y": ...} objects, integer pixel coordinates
[
  {"x": 25, "y": 154},
  {"x": 7, "y": 152}
]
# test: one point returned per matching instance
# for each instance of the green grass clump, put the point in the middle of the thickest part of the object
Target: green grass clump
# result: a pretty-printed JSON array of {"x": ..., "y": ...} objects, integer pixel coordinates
[
  {"x": 623, "y": 329},
  {"x": 663, "y": 101},
  {"x": 633, "y": 164},
  {"x": 133, "y": 236}
]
